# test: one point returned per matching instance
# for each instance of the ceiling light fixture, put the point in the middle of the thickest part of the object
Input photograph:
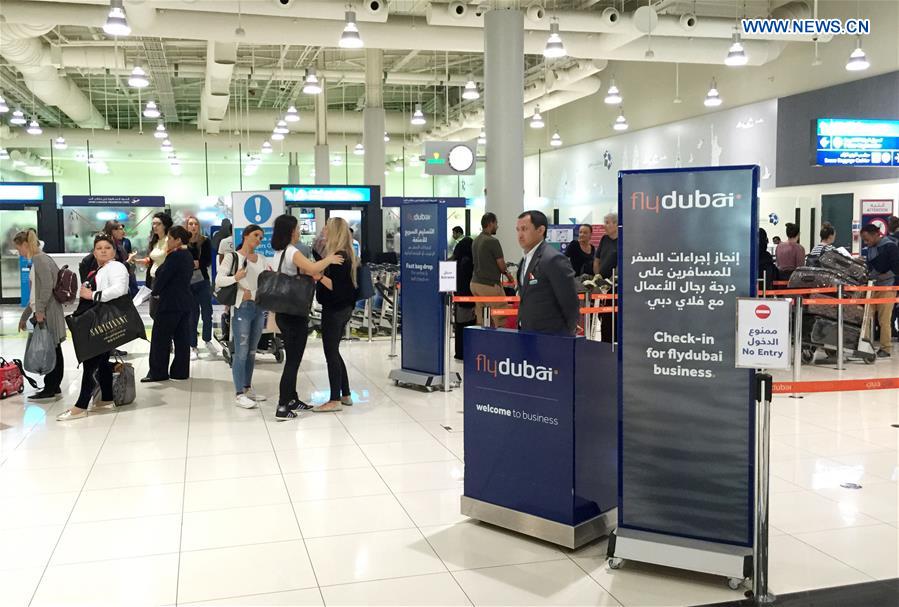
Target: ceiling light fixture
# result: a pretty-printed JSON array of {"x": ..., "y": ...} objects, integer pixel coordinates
[
  {"x": 4, "y": 155},
  {"x": 3, "y": 107},
  {"x": 60, "y": 143},
  {"x": 292, "y": 115},
  {"x": 386, "y": 137},
  {"x": 713, "y": 98},
  {"x": 167, "y": 146},
  {"x": 471, "y": 90},
  {"x": 160, "y": 132},
  {"x": 556, "y": 140},
  {"x": 482, "y": 138},
  {"x": 311, "y": 85},
  {"x": 359, "y": 150},
  {"x": 736, "y": 56},
  {"x": 281, "y": 127},
  {"x": 266, "y": 147},
  {"x": 858, "y": 60},
  {"x": 116, "y": 21},
  {"x": 620, "y": 122},
  {"x": 350, "y": 37},
  {"x": 613, "y": 95},
  {"x": 18, "y": 118},
  {"x": 337, "y": 160},
  {"x": 537, "y": 119},
  {"x": 138, "y": 78},
  {"x": 276, "y": 136},
  {"x": 554, "y": 48},
  {"x": 34, "y": 127},
  {"x": 418, "y": 117},
  {"x": 151, "y": 111}
]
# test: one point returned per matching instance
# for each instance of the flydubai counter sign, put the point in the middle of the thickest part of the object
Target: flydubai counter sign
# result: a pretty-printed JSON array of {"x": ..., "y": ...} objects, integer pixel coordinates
[
  {"x": 509, "y": 368},
  {"x": 655, "y": 203}
]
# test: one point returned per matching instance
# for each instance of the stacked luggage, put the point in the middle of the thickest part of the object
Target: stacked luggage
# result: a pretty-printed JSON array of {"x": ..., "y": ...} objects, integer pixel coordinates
[{"x": 820, "y": 328}]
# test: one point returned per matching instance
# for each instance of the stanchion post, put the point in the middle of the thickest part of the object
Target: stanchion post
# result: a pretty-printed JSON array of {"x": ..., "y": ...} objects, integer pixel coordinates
[
  {"x": 486, "y": 316},
  {"x": 797, "y": 342},
  {"x": 447, "y": 336},
  {"x": 614, "y": 307},
  {"x": 393, "y": 314},
  {"x": 368, "y": 313},
  {"x": 763, "y": 445},
  {"x": 839, "y": 329},
  {"x": 587, "y": 315}
]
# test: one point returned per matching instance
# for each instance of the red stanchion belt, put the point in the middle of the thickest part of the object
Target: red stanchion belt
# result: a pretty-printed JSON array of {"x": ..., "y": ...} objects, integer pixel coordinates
[{"x": 837, "y": 385}]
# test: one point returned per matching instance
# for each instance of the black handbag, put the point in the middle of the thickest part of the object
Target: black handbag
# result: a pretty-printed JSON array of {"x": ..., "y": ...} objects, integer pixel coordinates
[
  {"x": 227, "y": 296},
  {"x": 104, "y": 327},
  {"x": 284, "y": 294}
]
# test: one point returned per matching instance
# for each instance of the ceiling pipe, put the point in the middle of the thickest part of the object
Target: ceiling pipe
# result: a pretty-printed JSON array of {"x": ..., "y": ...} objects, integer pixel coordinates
[
  {"x": 366, "y": 12},
  {"x": 22, "y": 48},
  {"x": 698, "y": 50},
  {"x": 337, "y": 122}
]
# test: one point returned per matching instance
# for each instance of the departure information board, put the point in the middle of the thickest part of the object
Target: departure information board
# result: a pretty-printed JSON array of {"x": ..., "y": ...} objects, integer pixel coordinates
[{"x": 848, "y": 142}]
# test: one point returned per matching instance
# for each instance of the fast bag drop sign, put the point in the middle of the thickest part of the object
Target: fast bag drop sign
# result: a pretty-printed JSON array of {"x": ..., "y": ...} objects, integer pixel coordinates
[{"x": 687, "y": 252}]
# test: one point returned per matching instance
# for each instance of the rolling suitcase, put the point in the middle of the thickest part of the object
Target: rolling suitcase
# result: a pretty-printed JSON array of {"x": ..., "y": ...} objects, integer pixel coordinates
[
  {"x": 852, "y": 315},
  {"x": 813, "y": 278},
  {"x": 849, "y": 269}
]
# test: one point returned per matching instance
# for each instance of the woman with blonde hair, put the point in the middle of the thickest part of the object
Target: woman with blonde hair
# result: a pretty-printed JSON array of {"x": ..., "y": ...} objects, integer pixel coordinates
[
  {"x": 336, "y": 292},
  {"x": 43, "y": 305},
  {"x": 201, "y": 250}
]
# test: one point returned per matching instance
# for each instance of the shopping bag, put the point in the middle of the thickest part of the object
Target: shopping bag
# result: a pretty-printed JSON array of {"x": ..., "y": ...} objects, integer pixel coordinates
[
  {"x": 284, "y": 294},
  {"x": 104, "y": 327},
  {"x": 141, "y": 296},
  {"x": 124, "y": 390},
  {"x": 40, "y": 350}
]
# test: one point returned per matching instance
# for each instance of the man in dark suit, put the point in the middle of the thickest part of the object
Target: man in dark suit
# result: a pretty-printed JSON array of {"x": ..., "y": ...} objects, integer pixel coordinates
[
  {"x": 172, "y": 322},
  {"x": 549, "y": 302}
]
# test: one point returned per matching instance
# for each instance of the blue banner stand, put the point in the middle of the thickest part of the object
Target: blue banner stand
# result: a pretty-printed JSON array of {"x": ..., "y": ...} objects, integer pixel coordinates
[
  {"x": 541, "y": 434},
  {"x": 426, "y": 326}
]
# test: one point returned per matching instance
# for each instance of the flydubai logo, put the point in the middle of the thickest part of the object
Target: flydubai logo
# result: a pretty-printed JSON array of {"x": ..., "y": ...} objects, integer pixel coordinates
[
  {"x": 641, "y": 201},
  {"x": 507, "y": 368}
]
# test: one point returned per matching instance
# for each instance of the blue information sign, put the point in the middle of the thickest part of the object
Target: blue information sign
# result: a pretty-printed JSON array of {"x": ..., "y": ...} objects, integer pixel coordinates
[
  {"x": 847, "y": 142},
  {"x": 323, "y": 194},
  {"x": 113, "y": 201}
]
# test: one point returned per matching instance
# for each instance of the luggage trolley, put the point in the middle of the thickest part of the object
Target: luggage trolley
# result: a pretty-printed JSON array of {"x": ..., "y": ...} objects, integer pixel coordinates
[{"x": 269, "y": 341}]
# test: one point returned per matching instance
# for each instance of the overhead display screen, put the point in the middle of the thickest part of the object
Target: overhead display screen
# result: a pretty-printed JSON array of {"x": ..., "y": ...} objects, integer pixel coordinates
[
  {"x": 325, "y": 195},
  {"x": 849, "y": 142}
]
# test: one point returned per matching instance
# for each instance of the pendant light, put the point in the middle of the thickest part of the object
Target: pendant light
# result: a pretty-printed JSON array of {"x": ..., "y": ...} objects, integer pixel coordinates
[
  {"x": 537, "y": 119},
  {"x": 386, "y": 137},
  {"x": 116, "y": 21},
  {"x": 556, "y": 140},
  {"x": 281, "y": 127},
  {"x": 350, "y": 37},
  {"x": 736, "y": 56},
  {"x": 3, "y": 107},
  {"x": 337, "y": 160},
  {"x": 151, "y": 111},
  {"x": 18, "y": 118},
  {"x": 713, "y": 98},
  {"x": 138, "y": 78},
  {"x": 292, "y": 115},
  {"x": 311, "y": 85},
  {"x": 613, "y": 95},
  {"x": 620, "y": 122},
  {"x": 471, "y": 90},
  {"x": 160, "y": 132},
  {"x": 418, "y": 117},
  {"x": 4, "y": 155},
  {"x": 858, "y": 60},
  {"x": 276, "y": 136},
  {"x": 266, "y": 147},
  {"x": 167, "y": 146},
  {"x": 482, "y": 138},
  {"x": 359, "y": 150},
  {"x": 554, "y": 48},
  {"x": 60, "y": 143},
  {"x": 34, "y": 127}
]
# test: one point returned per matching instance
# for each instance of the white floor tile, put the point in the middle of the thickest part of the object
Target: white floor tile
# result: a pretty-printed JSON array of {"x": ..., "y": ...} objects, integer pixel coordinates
[
  {"x": 804, "y": 511},
  {"x": 136, "y": 474},
  {"x": 235, "y": 465},
  {"x": 345, "y": 559},
  {"x": 27, "y": 547},
  {"x": 200, "y": 446},
  {"x": 238, "y": 526},
  {"x": 322, "y": 458},
  {"x": 877, "y": 500},
  {"x": 435, "y": 589},
  {"x": 423, "y": 477},
  {"x": 388, "y": 432},
  {"x": 471, "y": 545},
  {"x": 244, "y": 570},
  {"x": 36, "y": 510},
  {"x": 872, "y": 550},
  {"x": 552, "y": 583},
  {"x": 142, "y": 451},
  {"x": 17, "y": 586},
  {"x": 795, "y": 566},
  {"x": 147, "y": 580},
  {"x": 303, "y": 438},
  {"x": 391, "y": 454},
  {"x": 118, "y": 539},
  {"x": 58, "y": 458},
  {"x": 883, "y": 465},
  {"x": 21, "y": 482},
  {"x": 333, "y": 484},
  {"x": 234, "y": 493},
  {"x": 128, "y": 502},
  {"x": 432, "y": 508},
  {"x": 292, "y": 598},
  {"x": 323, "y": 518}
]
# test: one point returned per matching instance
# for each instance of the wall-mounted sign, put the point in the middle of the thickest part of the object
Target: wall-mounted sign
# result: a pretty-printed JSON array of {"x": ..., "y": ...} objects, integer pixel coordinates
[
  {"x": 450, "y": 157},
  {"x": 317, "y": 194},
  {"x": 447, "y": 278},
  {"x": 257, "y": 208},
  {"x": 877, "y": 207},
  {"x": 848, "y": 142},
  {"x": 21, "y": 192},
  {"x": 113, "y": 201}
]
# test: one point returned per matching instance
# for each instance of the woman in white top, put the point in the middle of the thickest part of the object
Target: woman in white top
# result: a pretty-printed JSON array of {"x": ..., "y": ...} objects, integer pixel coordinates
[
  {"x": 109, "y": 282},
  {"x": 243, "y": 267},
  {"x": 294, "y": 329},
  {"x": 159, "y": 244}
]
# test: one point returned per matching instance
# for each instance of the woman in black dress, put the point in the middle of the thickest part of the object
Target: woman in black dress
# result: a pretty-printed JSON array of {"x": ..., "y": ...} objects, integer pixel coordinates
[
  {"x": 463, "y": 313},
  {"x": 580, "y": 252}
]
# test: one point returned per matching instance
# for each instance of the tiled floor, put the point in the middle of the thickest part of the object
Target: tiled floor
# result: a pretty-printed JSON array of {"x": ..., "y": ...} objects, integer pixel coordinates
[{"x": 186, "y": 499}]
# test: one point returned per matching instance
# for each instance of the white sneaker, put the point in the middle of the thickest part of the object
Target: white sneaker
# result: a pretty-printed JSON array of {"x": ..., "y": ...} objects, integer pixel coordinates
[
  {"x": 245, "y": 402},
  {"x": 194, "y": 354},
  {"x": 251, "y": 393},
  {"x": 210, "y": 347}
]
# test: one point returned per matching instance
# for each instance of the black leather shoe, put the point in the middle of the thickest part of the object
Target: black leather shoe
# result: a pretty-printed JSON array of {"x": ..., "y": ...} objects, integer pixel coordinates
[
  {"x": 44, "y": 394},
  {"x": 148, "y": 379}
]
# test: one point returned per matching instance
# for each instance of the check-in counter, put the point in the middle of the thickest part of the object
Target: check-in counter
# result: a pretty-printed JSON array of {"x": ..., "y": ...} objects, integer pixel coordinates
[{"x": 541, "y": 434}]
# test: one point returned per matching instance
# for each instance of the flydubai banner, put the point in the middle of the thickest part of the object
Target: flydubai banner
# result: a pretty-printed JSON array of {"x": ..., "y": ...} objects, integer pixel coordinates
[{"x": 687, "y": 252}]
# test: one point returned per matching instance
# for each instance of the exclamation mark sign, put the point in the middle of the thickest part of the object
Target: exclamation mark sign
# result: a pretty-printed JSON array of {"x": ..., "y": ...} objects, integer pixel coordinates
[{"x": 258, "y": 209}]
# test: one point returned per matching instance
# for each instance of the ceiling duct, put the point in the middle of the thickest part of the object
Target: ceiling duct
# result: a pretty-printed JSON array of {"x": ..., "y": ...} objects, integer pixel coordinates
[{"x": 220, "y": 60}]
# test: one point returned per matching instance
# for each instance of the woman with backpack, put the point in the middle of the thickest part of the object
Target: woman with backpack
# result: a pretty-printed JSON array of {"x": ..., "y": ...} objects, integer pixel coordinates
[
  {"x": 43, "y": 305},
  {"x": 336, "y": 292},
  {"x": 294, "y": 329}
]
